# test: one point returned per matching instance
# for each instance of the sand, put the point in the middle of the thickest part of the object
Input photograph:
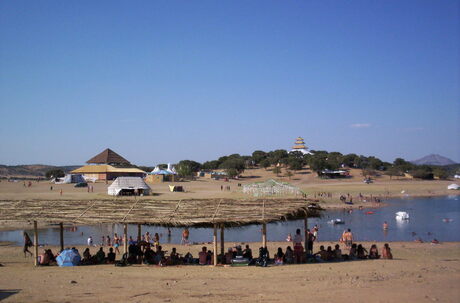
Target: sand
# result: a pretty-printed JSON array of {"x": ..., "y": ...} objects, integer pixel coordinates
[
  {"x": 419, "y": 273},
  {"x": 383, "y": 186}
]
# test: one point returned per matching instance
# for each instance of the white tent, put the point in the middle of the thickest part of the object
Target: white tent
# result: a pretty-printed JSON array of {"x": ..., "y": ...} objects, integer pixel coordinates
[
  {"x": 453, "y": 186},
  {"x": 129, "y": 185},
  {"x": 70, "y": 178}
]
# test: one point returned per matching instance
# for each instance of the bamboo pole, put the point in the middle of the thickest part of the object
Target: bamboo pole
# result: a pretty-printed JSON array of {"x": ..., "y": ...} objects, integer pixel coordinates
[
  {"x": 35, "y": 244},
  {"x": 222, "y": 244},
  {"x": 264, "y": 235},
  {"x": 125, "y": 240},
  {"x": 61, "y": 235},
  {"x": 214, "y": 238}
]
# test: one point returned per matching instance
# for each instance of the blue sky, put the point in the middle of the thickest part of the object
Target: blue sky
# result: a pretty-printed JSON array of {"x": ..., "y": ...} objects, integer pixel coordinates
[{"x": 161, "y": 81}]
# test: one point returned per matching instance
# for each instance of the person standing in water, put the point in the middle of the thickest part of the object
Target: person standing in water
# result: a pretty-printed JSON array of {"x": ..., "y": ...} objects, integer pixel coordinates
[
  {"x": 185, "y": 235},
  {"x": 385, "y": 225}
]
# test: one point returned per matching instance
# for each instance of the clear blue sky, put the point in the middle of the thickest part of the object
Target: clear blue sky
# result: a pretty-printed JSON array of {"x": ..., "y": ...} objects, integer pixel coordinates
[{"x": 161, "y": 81}]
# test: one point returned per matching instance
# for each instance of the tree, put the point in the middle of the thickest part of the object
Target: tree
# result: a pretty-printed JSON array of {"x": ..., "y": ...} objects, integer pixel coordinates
[
  {"x": 193, "y": 165},
  {"x": 237, "y": 164},
  {"x": 258, "y": 156},
  {"x": 277, "y": 170},
  {"x": 210, "y": 165},
  {"x": 55, "y": 173},
  {"x": 231, "y": 172},
  {"x": 295, "y": 163},
  {"x": 265, "y": 163},
  {"x": 441, "y": 173},
  {"x": 186, "y": 168},
  {"x": 393, "y": 172}
]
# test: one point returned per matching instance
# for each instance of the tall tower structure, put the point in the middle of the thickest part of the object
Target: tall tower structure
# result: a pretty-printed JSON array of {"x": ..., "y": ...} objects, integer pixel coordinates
[{"x": 300, "y": 146}]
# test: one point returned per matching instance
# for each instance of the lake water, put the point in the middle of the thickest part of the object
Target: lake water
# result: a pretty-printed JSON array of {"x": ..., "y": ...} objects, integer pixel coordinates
[{"x": 426, "y": 221}]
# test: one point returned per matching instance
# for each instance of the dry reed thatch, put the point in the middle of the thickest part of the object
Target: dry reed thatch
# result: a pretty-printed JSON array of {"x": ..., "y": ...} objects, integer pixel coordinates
[{"x": 194, "y": 212}]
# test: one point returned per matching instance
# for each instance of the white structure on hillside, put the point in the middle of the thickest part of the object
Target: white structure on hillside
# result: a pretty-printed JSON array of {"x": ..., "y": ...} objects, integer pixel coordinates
[
  {"x": 300, "y": 146},
  {"x": 271, "y": 188}
]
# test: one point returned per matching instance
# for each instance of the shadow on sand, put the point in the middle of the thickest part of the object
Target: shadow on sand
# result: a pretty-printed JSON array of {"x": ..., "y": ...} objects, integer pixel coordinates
[{"x": 5, "y": 293}]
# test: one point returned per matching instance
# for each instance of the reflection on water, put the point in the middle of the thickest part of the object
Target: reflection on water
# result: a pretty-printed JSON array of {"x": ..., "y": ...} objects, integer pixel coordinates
[{"x": 426, "y": 222}]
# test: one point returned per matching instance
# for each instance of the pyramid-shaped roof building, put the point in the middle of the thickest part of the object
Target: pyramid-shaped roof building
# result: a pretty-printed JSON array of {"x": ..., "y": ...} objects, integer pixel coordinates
[{"x": 108, "y": 156}]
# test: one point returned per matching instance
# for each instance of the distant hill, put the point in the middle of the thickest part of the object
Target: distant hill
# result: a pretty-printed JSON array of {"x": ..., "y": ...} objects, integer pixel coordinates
[
  {"x": 34, "y": 170},
  {"x": 433, "y": 159}
]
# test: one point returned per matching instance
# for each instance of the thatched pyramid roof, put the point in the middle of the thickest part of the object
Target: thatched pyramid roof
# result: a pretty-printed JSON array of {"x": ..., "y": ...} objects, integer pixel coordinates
[{"x": 108, "y": 156}]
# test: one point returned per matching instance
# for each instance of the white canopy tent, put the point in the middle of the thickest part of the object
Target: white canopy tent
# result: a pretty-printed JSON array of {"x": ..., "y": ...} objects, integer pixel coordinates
[{"x": 131, "y": 185}]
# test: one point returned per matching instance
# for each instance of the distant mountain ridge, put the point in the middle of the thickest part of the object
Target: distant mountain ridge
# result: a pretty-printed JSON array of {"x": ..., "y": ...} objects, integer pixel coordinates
[
  {"x": 34, "y": 170},
  {"x": 433, "y": 159}
]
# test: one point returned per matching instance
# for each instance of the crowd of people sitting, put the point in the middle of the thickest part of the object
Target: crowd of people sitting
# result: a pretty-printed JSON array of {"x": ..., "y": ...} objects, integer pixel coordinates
[{"x": 145, "y": 251}]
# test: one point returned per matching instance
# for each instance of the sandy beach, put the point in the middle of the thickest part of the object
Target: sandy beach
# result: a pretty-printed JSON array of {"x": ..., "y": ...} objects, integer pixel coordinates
[{"x": 418, "y": 273}]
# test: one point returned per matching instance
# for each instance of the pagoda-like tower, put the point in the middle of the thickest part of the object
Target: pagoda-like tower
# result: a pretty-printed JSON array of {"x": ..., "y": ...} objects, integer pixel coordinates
[{"x": 299, "y": 146}]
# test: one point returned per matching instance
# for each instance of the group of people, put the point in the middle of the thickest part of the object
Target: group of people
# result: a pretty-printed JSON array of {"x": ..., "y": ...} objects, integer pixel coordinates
[{"x": 356, "y": 252}]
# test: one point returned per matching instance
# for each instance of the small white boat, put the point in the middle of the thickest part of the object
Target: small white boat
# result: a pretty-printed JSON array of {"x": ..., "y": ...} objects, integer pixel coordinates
[
  {"x": 402, "y": 215},
  {"x": 336, "y": 221}
]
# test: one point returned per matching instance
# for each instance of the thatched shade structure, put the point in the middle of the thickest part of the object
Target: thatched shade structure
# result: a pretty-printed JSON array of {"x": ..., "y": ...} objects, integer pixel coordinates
[
  {"x": 215, "y": 213},
  {"x": 108, "y": 156},
  {"x": 173, "y": 213}
]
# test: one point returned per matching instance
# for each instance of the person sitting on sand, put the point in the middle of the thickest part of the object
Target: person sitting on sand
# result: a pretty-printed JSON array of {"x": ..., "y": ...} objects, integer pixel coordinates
[
  {"x": 229, "y": 256},
  {"x": 86, "y": 256},
  {"x": 374, "y": 252},
  {"x": 353, "y": 253},
  {"x": 174, "y": 257},
  {"x": 247, "y": 253},
  {"x": 209, "y": 258},
  {"x": 289, "y": 255},
  {"x": 111, "y": 256},
  {"x": 51, "y": 256},
  {"x": 289, "y": 238},
  {"x": 100, "y": 256},
  {"x": 203, "y": 255},
  {"x": 322, "y": 253},
  {"x": 44, "y": 259},
  {"x": 329, "y": 254},
  {"x": 361, "y": 252},
  {"x": 386, "y": 252},
  {"x": 435, "y": 241},
  {"x": 149, "y": 255},
  {"x": 279, "y": 257},
  {"x": 337, "y": 253}
]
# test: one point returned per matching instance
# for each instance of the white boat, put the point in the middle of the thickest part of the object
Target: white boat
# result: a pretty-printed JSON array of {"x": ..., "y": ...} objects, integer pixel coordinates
[
  {"x": 402, "y": 215},
  {"x": 336, "y": 221}
]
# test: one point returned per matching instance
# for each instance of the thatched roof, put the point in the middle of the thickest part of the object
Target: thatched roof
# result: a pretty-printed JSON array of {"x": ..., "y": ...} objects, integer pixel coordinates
[
  {"x": 108, "y": 156},
  {"x": 202, "y": 213},
  {"x": 105, "y": 168}
]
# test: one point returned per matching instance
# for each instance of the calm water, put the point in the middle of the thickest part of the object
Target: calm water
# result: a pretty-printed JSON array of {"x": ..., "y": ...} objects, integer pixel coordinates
[{"x": 426, "y": 221}]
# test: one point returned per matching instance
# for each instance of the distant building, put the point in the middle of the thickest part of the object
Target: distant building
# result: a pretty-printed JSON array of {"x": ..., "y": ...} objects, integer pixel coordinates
[
  {"x": 300, "y": 146},
  {"x": 108, "y": 165}
]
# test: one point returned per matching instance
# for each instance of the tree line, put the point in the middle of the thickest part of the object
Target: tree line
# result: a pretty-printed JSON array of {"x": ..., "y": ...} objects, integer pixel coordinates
[{"x": 319, "y": 160}]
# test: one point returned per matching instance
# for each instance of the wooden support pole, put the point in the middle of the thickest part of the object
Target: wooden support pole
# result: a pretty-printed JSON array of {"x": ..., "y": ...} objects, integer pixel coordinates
[
  {"x": 61, "y": 235},
  {"x": 139, "y": 233},
  {"x": 264, "y": 235},
  {"x": 125, "y": 240},
  {"x": 305, "y": 227},
  {"x": 214, "y": 239},
  {"x": 35, "y": 244},
  {"x": 222, "y": 244}
]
